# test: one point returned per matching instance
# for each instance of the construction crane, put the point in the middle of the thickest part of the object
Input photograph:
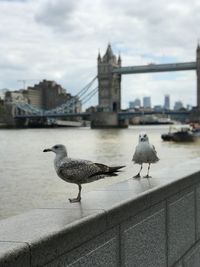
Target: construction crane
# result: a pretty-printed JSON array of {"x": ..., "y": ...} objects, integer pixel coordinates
[{"x": 25, "y": 80}]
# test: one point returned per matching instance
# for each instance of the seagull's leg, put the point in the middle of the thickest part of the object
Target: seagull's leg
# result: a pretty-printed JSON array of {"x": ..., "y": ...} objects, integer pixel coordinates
[
  {"x": 79, "y": 192},
  {"x": 78, "y": 199},
  {"x": 147, "y": 176},
  {"x": 138, "y": 175}
]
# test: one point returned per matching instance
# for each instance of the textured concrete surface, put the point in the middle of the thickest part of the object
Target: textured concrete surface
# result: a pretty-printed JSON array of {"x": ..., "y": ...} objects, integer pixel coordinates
[
  {"x": 51, "y": 232},
  {"x": 198, "y": 211},
  {"x": 192, "y": 259},
  {"x": 179, "y": 264},
  {"x": 146, "y": 222},
  {"x": 144, "y": 240},
  {"x": 100, "y": 251},
  {"x": 14, "y": 254},
  {"x": 181, "y": 225}
]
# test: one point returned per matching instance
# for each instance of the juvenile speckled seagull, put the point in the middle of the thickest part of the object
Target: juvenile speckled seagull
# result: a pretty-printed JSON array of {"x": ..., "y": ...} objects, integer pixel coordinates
[
  {"x": 144, "y": 153},
  {"x": 79, "y": 171}
]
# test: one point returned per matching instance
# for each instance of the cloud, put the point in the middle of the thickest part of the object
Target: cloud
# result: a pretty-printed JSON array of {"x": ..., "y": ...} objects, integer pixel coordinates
[
  {"x": 11, "y": 62},
  {"x": 13, "y": 1},
  {"x": 56, "y": 13},
  {"x": 59, "y": 40}
]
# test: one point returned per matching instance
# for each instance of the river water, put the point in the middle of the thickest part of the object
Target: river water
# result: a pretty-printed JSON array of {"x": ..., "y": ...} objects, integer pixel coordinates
[{"x": 27, "y": 176}]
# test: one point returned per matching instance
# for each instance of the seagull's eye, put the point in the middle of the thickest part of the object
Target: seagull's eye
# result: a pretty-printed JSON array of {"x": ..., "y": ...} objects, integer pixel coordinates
[{"x": 55, "y": 147}]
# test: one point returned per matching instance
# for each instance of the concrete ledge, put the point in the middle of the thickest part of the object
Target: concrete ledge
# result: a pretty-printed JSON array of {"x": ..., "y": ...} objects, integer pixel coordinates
[
  {"x": 192, "y": 258},
  {"x": 100, "y": 251},
  {"x": 146, "y": 222},
  {"x": 181, "y": 224},
  {"x": 143, "y": 238},
  {"x": 51, "y": 232},
  {"x": 14, "y": 254}
]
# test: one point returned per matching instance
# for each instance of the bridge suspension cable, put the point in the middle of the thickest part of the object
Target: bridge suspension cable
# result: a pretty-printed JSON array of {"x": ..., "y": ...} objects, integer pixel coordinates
[
  {"x": 78, "y": 97},
  {"x": 87, "y": 97},
  {"x": 85, "y": 88},
  {"x": 83, "y": 96}
]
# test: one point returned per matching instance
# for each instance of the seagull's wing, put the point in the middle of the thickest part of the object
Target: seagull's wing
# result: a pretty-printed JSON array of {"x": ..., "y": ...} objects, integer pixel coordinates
[
  {"x": 79, "y": 171},
  {"x": 155, "y": 152},
  {"x": 153, "y": 148}
]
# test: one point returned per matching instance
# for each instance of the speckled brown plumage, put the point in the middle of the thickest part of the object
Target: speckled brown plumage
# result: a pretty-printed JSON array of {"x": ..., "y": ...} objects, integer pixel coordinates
[{"x": 79, "y": 171}]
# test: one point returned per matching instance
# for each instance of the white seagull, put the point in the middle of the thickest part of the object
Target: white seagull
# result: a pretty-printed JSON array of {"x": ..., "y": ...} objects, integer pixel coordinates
[
  {"x": 79, "y": 171},
  {"x": 144, "y": 153}
]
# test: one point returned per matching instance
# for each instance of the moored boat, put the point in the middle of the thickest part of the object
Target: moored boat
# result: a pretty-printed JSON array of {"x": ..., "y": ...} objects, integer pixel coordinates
[{"x": 182, "y": 134}]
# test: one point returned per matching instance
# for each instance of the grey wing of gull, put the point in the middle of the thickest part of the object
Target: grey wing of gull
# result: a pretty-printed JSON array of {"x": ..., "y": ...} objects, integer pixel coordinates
[
  {"x": 153, "y": 147},
  {"x": 77, "y": 171},
  {"x": 154, "y": 154}
]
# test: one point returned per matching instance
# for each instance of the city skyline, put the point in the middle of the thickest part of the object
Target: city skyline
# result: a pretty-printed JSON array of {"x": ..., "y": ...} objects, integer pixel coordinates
[
  {"x": 131, "y": 103},
  {"x": 146, "y": 102},
  {"x": 59, "y": 40}
]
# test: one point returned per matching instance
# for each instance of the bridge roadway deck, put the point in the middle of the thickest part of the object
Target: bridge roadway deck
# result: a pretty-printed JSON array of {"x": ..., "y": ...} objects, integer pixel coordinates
[
  {"x": 122, "y": 114},
  {"x": 156, "y": 68}
]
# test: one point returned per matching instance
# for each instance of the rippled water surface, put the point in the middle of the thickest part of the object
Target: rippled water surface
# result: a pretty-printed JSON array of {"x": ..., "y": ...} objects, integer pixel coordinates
[{"x": 27, "y": 176}]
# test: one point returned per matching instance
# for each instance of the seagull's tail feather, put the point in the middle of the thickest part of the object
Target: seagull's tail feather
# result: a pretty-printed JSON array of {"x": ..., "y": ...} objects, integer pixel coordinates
[
  {"x": 104, "y": 171},
  {"x": 108, "y": 171},
  {"x": 115, "y": 169}
]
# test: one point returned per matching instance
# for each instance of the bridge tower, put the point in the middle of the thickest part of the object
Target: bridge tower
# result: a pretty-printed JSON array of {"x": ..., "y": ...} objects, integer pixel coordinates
[
  {"x": 109, "y": 83},
  {"x": 198, "y": 75},
  {"x": 195, "y": 113}
]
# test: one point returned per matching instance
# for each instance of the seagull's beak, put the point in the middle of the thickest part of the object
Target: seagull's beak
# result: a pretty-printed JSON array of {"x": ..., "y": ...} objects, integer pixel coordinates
[{"x": 47, "y": 150}]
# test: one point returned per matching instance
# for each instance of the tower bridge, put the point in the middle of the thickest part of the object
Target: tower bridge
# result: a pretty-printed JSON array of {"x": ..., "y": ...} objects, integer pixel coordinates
[
  {"x": 109, "y": 73},
  {"x": 110, "y": 70},
  {"x": 156, "y": 68}
]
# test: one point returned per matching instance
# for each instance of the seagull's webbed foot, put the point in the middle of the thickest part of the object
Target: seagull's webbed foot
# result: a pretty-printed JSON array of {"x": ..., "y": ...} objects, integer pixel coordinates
[
  {"x": 137, "y": 176},
  {"x": 147, "y": 176},
  {"x": 74, "y": 200},
  {"x": 78, "y": 198}
]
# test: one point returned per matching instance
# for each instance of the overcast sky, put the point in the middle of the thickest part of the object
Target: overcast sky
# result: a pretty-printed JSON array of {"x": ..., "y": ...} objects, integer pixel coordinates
[{"x": 60, "y": 39}]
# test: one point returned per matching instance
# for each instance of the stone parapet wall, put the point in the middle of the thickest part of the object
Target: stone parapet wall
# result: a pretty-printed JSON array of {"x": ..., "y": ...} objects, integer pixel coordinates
[{"x": 142, "y": 223}]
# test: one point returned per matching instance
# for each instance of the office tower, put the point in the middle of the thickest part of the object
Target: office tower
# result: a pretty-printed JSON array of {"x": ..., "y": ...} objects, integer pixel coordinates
[
  {"x": 178, "y": 105},
  {"x": 135, "y": 104},
  {"x": 147, "y": 102},
  {"x": 167, "y": 102}
]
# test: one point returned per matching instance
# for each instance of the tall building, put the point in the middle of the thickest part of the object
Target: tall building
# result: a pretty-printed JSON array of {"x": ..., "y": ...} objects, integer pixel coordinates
[
  {"x": 109, "y": 83},
  {"x": 167, "y": 102},
  {"x": 49, "y": 95},
  {"x": 147, "y": 102},
  {"x": 15, "y": 96},
  {"x": 178, "y": 105},
  {"x": 45, "y": 95},
  {"x": 135, "y": 104}
]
